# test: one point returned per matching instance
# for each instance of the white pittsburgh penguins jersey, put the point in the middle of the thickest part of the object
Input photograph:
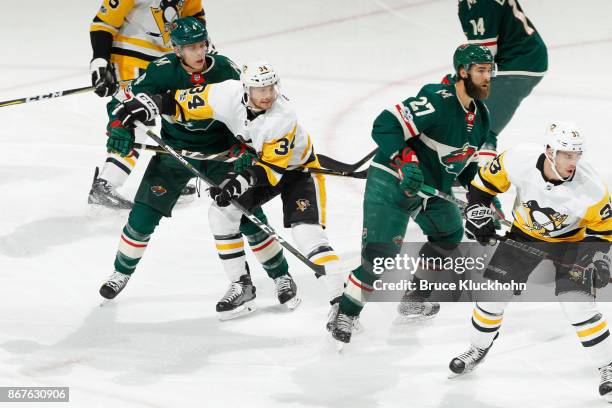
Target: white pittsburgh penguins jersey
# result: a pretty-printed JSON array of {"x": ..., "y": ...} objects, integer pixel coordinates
[
  {"x": 277, "y": 137},
  {"x": 554, "y": 212},
  {"x": 141, "y": 28}
]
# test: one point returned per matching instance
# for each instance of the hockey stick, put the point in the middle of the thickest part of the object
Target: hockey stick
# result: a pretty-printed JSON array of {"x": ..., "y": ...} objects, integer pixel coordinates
[
  {"x": 318, "y": 269},
  {"x": 50, "y": 95},
  {"x": 330, "y": 163},
  {"x": 223, "y": 157}
]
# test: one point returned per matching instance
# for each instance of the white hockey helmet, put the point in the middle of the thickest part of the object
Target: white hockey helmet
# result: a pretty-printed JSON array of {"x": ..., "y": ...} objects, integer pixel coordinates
[
  {"x": 563, "y": 136},
  {"x": 257, "y": 74}
]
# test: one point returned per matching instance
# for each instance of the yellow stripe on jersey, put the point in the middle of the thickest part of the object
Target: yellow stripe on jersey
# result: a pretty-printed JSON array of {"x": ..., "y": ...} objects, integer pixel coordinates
[
  {"x": 598, "y": 218},
  {"x": 192, "y": 8},
  {"x": 322, "y": 194},
  {"x": 141, "y": 43},
  {"x": 126, "y": 66},
  {"x": 101, "y": 26},
  {"x": 114, "y": 12},
  {"x": 493, "y": 178},
  {"x": 278, "y": 153}
]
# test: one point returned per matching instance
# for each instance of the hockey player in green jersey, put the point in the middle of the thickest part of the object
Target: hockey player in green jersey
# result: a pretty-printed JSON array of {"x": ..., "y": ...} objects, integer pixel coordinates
[
  {"x": 189, "y": 66},
  {"x": 433, "y": 139},
  {"x": 519, "y": 51}
]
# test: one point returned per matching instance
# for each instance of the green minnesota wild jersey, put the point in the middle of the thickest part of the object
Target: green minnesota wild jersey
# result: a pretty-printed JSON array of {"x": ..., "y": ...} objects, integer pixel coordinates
[
  {"x": 502, "y": 26},
  {"x": 166, "y": 73},
  {"x": 445, "y": 136}
]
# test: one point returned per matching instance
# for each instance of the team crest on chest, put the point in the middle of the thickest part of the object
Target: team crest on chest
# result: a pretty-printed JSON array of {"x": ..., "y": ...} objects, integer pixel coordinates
[
  {"x": 158, "y": 190},
  {"x": 470, "y": 118},
  {"x": 164, "y": 14},
  {"x": 197, "y": 78},
  {"x": 302, "y": 204},
  {"x": 543, "y": 221},
  {"x": 456, "y": 160}
]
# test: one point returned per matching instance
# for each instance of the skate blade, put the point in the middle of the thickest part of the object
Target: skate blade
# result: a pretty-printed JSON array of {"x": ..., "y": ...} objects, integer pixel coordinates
[
  {"x": 293, "y": 303},
  {"x": 240, "y": 311},
  {"x": 358, "y": 327},
  {"x": 105, "y": 302},
  {"x": 99, "y": 210},
  {"x": 411, "y": 319},
  {"x": 452, "y": 375},
  {"x": 340, "y": 346}
]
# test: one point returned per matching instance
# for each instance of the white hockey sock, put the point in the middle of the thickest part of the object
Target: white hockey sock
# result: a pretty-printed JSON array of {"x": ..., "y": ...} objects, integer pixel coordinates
[
  {"x": 592, "y": 330},
  {"x": 116, "y": 169},
  {"x": 486, "y": 320},
  {"x": 312, "y": 241},
  {"x": 225, "y": 226}
]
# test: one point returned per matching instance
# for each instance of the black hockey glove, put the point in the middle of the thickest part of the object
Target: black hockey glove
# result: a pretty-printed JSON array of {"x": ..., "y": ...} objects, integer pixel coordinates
[
  {"x": 142, "y": 107},
  {"x": 480, "y": 223},
  {"x": 231, "y": 188},
  {"x": 599, "y": 269},
  {"x": 103, "y": 78}
]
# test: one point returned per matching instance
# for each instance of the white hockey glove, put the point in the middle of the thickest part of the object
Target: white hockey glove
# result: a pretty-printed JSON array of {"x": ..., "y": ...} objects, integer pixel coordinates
[
  {"x": 142, "y": 107},
  {"x": 480, "y": 223},
  {"x": 103, "y": 78},
  {"x": 231, "y": 188}
]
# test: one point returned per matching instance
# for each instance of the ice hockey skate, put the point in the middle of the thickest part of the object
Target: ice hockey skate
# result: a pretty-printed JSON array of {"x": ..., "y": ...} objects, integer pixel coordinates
[
  {"x": 286, "y": 291},
  {"x": 468, "y": 361},
  {"x": 333, "y": 314},
  {"x": 188, "y": 194},
  {"x": 238, "y": 300},
  {"x": 415, "y": 308},
  {"x": 103, "y": 194},
  {"x": 342, "y": 330},
  {"x": 114, "y": 285},
  {"x": 605, "y": 384}
]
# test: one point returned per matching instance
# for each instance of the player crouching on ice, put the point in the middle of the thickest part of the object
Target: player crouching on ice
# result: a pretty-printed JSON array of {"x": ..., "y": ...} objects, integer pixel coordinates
[
  {"x": 256, "y": 112},
  {"x": 561, "y": 201}
]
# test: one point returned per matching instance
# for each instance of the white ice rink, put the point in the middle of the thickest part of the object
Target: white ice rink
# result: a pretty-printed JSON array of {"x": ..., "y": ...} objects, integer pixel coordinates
[{"x": 160, "y": 343}]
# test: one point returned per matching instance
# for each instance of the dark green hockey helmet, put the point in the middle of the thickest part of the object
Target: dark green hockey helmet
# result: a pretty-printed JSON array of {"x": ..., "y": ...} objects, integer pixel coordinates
[
  {"x": 468, "y": 54},
  {"x": 187, "y": 30}
]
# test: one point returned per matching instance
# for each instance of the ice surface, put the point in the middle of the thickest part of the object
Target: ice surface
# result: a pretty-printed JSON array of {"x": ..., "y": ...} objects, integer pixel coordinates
[{"x": 160, "y": 344}]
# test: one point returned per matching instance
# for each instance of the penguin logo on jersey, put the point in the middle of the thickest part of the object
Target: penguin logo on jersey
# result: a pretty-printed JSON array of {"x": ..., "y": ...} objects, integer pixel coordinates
[
  {"x": 543, "y": 221},
  {"x": 456, "y": 160},
  {"x": 164, "y": 14},
  {"x": 302, "y": 204}
]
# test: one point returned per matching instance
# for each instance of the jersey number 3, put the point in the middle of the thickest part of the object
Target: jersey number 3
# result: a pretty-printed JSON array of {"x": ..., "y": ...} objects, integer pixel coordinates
[{"x": 284, "y": 146}]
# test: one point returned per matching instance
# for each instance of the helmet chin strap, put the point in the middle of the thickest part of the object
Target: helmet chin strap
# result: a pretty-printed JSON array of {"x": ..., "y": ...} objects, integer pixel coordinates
[
  {"x": 553, "y": 162},
  {"x": 246, "y": 99}
]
